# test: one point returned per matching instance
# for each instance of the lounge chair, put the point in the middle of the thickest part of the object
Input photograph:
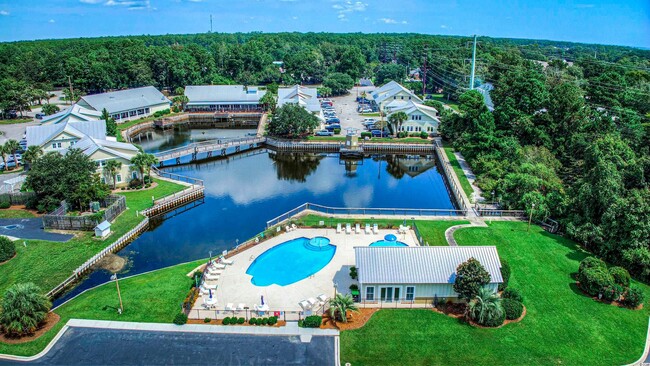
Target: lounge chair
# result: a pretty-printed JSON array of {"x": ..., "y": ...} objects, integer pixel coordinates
[
  {"x": 216, "y": 266},
  {"x": 230, "y": 306},
  {"x": 211, "y": 277},
  {"x": 214, "y": 271},
  {"x": 357, "y": 229},
  {"x": 287, "y": 228},
  {"x": 209, "y": 287},
  {"x": 293, "y": 227},
  {"x": 322, "y": 298},
  {"x": 312, "y": 302},
  {"x": 375, "y": 228},
  {"x": 227, "y": 261},
  {"x": 368, "y": 229},
  {"x": 241, "y": 306},
  {"x": 338, "y": 228},
  {"x": 204, "y": 291},
  {"x": 348, "y": 229},
  {"x": 304, "y": 304}
]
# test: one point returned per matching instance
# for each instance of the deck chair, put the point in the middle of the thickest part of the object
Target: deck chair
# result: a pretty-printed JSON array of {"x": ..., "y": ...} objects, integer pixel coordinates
[
  {"x": 227, "y": 261},
  {"x": 338, "y": 228},
  {"x": 348, "y": 229},
  {"x": 367, "y": 228},
  {"x": 357, "y": 229},
  {"x": 375, "y": 228},
  {"x": 211, "y": 277}
]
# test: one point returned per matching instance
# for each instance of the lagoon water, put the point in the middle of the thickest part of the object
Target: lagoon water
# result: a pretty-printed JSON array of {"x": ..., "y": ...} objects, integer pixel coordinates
[{"x": 244, "y": 191}]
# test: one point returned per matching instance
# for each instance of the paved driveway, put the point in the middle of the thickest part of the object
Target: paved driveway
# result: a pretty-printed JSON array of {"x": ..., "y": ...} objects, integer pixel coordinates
[
  {"x": 346, "y": 108},
  {"x": 29, "y": 229},
  {"x": 88, "y": 346}
]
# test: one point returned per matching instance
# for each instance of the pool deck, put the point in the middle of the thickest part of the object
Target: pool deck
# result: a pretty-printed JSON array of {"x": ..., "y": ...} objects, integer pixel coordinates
[{"x": 234, "y": 285}]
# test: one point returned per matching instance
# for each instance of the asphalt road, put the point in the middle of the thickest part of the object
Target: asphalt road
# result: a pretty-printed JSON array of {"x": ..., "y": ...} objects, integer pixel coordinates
[
  {"x": 29, "y": 229},
  {"x": 346, "y": 108},
  {"x": 87, "y": 346}
]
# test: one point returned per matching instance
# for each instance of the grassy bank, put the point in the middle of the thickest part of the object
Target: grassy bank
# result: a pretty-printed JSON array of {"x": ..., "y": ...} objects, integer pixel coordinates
[
  {"x": 562, "y": 326},
  {"x": 123, "y": 126},
  {"x": 464, "y": 183},
  {"x": 151, "y": 297},
  {"x": 433, "y": 232},
  {"x": 8, "y": 213},
  {"x": 48, "y": 263}
]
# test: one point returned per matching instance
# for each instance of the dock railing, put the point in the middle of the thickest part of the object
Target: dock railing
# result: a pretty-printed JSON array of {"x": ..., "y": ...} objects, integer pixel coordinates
[
  {"x": 402, "y": 213},
  {"x": 449, "y": 175}
]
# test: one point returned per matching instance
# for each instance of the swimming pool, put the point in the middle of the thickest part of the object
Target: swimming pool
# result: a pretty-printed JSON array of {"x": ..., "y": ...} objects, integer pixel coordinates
[
  {"x": 388, "y": 243},
  {"x": 291, "y": 261}
]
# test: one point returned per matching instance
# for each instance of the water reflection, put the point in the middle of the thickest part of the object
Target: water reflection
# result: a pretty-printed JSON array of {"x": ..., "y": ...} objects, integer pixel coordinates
[
  {"x": 158, "y": 140},
  {"x": 295, "y": 166}
]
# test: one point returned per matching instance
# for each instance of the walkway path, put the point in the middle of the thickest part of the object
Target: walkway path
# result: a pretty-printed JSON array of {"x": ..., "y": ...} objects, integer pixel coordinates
[
  {"x": 477, "y": 196},
  {"x": 449, "y": 233}
]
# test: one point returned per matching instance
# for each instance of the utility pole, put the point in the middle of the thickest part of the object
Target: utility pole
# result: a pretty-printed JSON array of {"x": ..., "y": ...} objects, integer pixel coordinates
[
  {"x": 117, "y": 283},
  {"x": 471, "y": 81},
  {"x": 531, "y": 217},
  {"x": 424, "y": 70},
  {"x": 71, "y": 92},
  {"x": 210, "y": 23}
]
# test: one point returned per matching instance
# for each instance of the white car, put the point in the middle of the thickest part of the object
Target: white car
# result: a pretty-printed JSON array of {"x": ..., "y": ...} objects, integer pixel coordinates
[{"x": 369, "y": 120}]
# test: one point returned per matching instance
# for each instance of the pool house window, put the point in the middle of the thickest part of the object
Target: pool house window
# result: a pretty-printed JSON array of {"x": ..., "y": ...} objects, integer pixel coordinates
[
  {"x": 410, "y": 293},
  {"x": 370, "y": 293}
]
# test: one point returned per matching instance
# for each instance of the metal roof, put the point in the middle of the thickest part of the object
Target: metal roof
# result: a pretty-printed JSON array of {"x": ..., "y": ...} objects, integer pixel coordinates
[
  {"x": 103, "y": 225},
  {"x": 126, "y": 100},
  {"x": 89, "y": 145},
  {"x": 223, "y": 94},
  {"x": 76, "y": 110},
  {"x": 422, "y": 265},
  {"x": 305, "y": 97},
  {"x": 39, "y": 135},
  {"x": 390, "y": 89}
]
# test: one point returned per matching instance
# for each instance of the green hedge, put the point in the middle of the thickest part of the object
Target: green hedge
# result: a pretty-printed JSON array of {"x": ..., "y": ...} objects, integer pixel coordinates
[
  {"x": 633, "y": 297},
  {"x": 312, "y": 321},
  {"x": 594, "y": 279},
  {"x": 621, "y": 276},
  {"x": 505, "y": 274},
  {"x": 7, "y": 249},
  {"x": 512, "y": 293},
  {"x": 512, "y": 308},
  {"x": 180, "y": 319}
]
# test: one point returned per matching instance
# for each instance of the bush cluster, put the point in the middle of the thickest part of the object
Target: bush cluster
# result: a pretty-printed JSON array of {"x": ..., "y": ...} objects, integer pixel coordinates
[
  {"x": 312, "y": 321},
  {"x": 609, "y": 284},
  {"x": 512, "y": 293},
  {"x": 495, "y": 321},
  {"x": 424, "y": 135},
  {"x": 180, "y": 319},
  {"x": 402, "y": 134},
  {"x": 633, "y": 297},
  {"x": 272, "y": 320},
  {"x": 7, "y": 249},
  {"x": 161, "y": 113},
  {"x": 5, "y": 204},
  {"x": 505, "y": 274},
  {"x": 512, "y": 308},
  {"x": 233, "y": 320},
  {"x": 366, "y": 134},
  {"x": 337, "y": 131}
]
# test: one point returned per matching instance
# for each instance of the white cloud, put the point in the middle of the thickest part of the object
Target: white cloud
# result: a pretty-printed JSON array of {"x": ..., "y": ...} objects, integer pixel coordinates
[
  {"x": 443, "y": 26},
  {"x": 4, "y": 12},
  {"x": 346, "y": 7},
  {"x": 294, "y": 18},
  {"x": 405, "y": 22},
  {"x": 91, "y": 1},
  {"x": 388, "y": 20},
  {"x": 51, "y": 21}
]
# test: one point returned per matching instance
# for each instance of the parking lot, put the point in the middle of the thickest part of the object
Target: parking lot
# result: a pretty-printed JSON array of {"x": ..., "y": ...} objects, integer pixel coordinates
[{"x": 346, "y": 109}]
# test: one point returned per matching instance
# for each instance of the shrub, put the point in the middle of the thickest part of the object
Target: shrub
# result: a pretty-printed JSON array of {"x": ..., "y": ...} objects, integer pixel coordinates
[
  {"x": 633, "y": 297},
  {"x": 312, "y": 321},
  {"x": 252, "y": 321},
  {"x": 620, "y": 276},
  {"x": 512, "y": 308},
  {"x": 273, "y": 320},
  {"x": 512, "y": 293},
  {"x": 264, "y": 321},
  {"x": 337, "y": 131},
  {"x": 207, "y": 320},
  {"x": 24, "y": 307},
  {"x": 180, "y": 319},
  {"x": 612, "y": 293},
  {"x": 495, "y": 321},
  {"x": 505, "y": 274},
  {"x": 147, "y": 185},
  {"x": 353, "y": 272},
  {"x": 241, "y": 321},
  {"x": 594, "y": 279},
  {"x": 591, "y": 262},
  {"x": 424, "y": 135},
  {"x": 135, "y": 183},
  {"x": 7, "y": 249},
  {"x": 401, "y": 134},
  {"x": 226, "y": 321},
  {"x": 354, "y": 287},
  {"x": 471, "y": 277},
  {"x": 5, "y": 204},
  {"x": 366, "y": 134},
  {"x": 485, "y": 309}
]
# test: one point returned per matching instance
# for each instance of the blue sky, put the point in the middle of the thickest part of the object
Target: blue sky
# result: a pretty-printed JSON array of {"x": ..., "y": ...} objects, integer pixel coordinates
[{"x": 622, "y": 22}]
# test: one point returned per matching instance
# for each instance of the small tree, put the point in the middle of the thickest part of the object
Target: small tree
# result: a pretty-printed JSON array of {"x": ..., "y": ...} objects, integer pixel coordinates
[
  {"x": 340, "y": 305},
  {"x": 485, "y": 308},
  {"x": 12, "y": 148},
  {"x": 31, "y": 154},
  {"x": 143, "y": 162},
  {"x": 7, "y": 248},
  {"x": 291, "y": 120},
  {"x": 396, "y": 119},
  {"x": 111, "y": 125},
  {"x": 338, "y": 82},
  {"x": 471, "y": 276},
  {"x": 3, "y": 154},
  {"x": 111, "y": 169},
  {"x": 24, "y": 308},
  {"x": 268, "y": 101},
  {"x": 49, "y": 109},
  {"x": 180, "y": 101}
]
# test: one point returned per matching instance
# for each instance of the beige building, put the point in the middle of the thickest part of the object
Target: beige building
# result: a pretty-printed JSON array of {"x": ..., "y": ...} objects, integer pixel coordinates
[
  {"x": 393, "y": 92},
  {"x": 129, "y": 104},
  {"x": 421, "y": 118},
  {"x": 75, "y": 113},
  {"x": 90, "y": 137}
]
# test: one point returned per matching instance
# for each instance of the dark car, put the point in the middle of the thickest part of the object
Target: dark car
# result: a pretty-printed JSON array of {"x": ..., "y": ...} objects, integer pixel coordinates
[
  {"x": 39, "y": 115},
  {"x": 332, "y": 127},
  {"x": 376, "y": 133},
  {"x": 333, "y": 120}
]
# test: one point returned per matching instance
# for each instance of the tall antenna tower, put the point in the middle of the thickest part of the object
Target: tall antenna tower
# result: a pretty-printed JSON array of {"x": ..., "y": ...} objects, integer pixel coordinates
[{"x": 210, "y": 23}]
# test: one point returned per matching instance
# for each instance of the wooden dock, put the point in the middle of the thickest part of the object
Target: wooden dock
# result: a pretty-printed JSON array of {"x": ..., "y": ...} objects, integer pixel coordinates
[{"x": 207, "y": 150}]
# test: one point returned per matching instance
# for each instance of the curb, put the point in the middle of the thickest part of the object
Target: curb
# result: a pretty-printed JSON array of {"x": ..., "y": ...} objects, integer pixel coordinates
[{"x": 40, "y": 354}]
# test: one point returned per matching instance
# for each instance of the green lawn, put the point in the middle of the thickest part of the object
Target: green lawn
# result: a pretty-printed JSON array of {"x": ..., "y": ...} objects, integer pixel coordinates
[
  {"x": 8, "y": 213},
  {"x": 151, "y": 297},
  {"x": 49, "y": 263},
  {"x": 15, "y": 121},
  {"x": 440, "y": 98},
  {"x": 464, "y": 183},
  {"x": 433, "y": 232},
  {"x": 562, "y": 326},
  {"x": 123, "y": 126}
]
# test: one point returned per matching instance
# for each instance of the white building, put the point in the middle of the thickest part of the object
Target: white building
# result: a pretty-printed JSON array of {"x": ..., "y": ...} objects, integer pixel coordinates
[
  {"x": 393, "y": 92},
  {"x": 90, "y": 137},
  {"x": 303, "y": 96},
  {"x": 74, "y": 113},
  {"x": 223, "y": 98},
  {"x": 125, "y": 105},
  {"x": 420, "y": 117},
  {"x": 419, "y": 274}
]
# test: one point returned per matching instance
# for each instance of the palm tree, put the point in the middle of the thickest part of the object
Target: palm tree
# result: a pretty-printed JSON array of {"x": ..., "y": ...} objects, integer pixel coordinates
[
  {"x": 340, "y": 305},
  {"x": 3, "y": 153},
  {"x": 24, "y": 307},
  {"x": 111, "y": 168},
  {"x": 142, "y": 162},
  {"x": 396, "y": 119},
  {"x": 485, "y": 306},
  {"x": 31, "y": 154},
  {"x": 12, "y": 147}
]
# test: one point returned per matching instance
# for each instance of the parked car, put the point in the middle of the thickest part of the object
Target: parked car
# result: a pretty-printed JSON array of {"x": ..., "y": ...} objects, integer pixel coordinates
[
  {"x": 366, "y": 110},
  {"x": 332, "y": 127},
  {"x": 369, "y": 120},
  {"x": 39, "y": 115},
  {"x": 332, "y": 120},
  {"x": 329, "y": 104},
  {"x": 377, "y": 133},
  {"x": 324, "y": 133}
]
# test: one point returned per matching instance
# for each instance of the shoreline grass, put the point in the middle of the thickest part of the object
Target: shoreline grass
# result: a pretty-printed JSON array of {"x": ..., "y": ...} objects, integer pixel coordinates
[
  {"x": 10, "y": 213},
  {"x": 462, "y": 178}
]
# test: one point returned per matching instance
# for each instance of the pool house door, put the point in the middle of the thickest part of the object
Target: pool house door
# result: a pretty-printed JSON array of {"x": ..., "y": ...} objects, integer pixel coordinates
[{"x": 389, "y": 294}]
